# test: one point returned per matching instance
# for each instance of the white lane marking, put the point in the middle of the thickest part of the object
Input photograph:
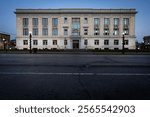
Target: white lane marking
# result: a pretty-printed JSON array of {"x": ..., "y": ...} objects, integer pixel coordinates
[{"x": 82, "y": 74}]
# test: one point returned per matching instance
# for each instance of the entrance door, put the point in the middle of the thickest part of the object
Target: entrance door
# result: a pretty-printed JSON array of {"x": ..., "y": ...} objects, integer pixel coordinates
[{"x": 75, "y": 44}]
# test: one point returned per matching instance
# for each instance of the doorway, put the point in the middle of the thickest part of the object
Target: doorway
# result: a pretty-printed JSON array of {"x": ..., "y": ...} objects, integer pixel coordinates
[{"x": 75, "y": 44}]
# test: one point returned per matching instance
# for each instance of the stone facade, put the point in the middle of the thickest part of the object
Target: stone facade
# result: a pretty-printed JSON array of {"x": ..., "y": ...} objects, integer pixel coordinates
[{"x": 89, "y": 31}]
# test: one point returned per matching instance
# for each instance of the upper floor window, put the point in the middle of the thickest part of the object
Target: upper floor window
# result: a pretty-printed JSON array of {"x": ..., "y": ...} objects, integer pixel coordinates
[
  {"x": 35, "y": 31},
  {"x": 96, "y": 21},
  {"x": 96, "y": 31},
  {"x": 25, "y": 31},
  {"x": 85, "y": 31},
  {"x": 85, "y": 20},
  {"x": 116, "y": 32},
  {"x": 65, "y": 20},
  {"x": 116, "y": 22},
  {"x": 65, "y": 31},
  {"x": 44, "y": 22},
  {"x": 55, "y": 31},
  {"x": 106, "y": 31},
  {"x": 44, "y": 31},
  {"x": 106, "y": 21},
  {"x": 125, "y": 22},
  {"x": 35, "y": 22},
  {"x": 55, "y": 22},
  {"x": 76, "y": 26},
  {"x": 25, "y": 22}
]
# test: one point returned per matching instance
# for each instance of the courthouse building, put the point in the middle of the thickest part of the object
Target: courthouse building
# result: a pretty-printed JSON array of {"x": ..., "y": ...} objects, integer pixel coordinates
[{"x": 75, "y": 28}]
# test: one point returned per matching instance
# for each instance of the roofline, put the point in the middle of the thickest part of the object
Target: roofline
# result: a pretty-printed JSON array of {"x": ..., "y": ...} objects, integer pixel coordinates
[
  {"x": 5, "y": 34},
  {"x": 76, "y": 11}
]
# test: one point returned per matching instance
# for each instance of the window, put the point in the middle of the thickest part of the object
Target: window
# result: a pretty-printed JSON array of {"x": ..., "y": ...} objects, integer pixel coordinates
[
  {"x": 106, "y": 26},
  {"x": 126, "y": 31},
  {"x": 75, "y": 26},
  {"x": 65, "y": 31},
  {"x": 25, "y": 42},
  {"x": 25, "y": 22},
  {"x": 116, "y": 22},
  {"x": 106, "y": 31},
  {"x": 35, "y": 22},
  {"x": 44, "y": 42},
  {"x": 85, "y": 20},
  {"x": 65, "y": 42},
  {"x": 106, "y": 21},
  {"x": 96, "y": 31},
  {"x": 55, "y": 22},
  {"x": 85, "y": 42},
  {"x": 35, "y": 42},
  {"x": 35, "y": 31},
  {"x": 126, "y": 42},
  {"x": 45, "y": 31},
  {"x": 55, "y": 31},
  {"x": 96, "y": 42},
  {"x": 106, "y": 42},
  {"x": 96, "y": 21},
  {"x": 126, "y": 26},
  {"x": 65, "y": 20},
  {"x": 125, "y": 22},
  {"x": 85, "y": 31},
  {"x": 54, "y": 42},
  {"x": 116, "y": 42},
  {"x": 44, "y": 22},
  {"x": 116, "y": 32},
  {"x": 25, "y": 31}
]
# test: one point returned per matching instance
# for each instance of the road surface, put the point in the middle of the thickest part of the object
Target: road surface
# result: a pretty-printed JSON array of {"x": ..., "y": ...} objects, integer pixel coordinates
[{"x": 71, "y": 76}]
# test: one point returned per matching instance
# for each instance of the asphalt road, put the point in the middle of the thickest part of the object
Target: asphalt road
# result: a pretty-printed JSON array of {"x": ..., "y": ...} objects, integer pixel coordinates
[{"x": 60, "y": 76}]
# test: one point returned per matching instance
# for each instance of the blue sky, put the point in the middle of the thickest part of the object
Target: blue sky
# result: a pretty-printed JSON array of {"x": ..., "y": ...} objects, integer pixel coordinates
[{"x": 8, "y": 18}]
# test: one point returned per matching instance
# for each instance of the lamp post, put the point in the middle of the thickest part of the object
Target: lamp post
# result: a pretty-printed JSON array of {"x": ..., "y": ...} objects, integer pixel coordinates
[
  {"x": 65, "y": 42},
  {"x": 123, "y": 42},
  {"x": 4, "y": 43},
  {"x": 30, "y": 37}
]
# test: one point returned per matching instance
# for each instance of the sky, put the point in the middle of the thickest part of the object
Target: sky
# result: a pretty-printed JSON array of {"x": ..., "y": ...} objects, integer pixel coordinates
[{"x": 8, "y": 18}]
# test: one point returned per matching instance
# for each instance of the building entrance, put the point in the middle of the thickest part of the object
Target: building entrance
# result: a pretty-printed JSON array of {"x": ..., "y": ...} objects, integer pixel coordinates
[{"x": 75, "y": 44}]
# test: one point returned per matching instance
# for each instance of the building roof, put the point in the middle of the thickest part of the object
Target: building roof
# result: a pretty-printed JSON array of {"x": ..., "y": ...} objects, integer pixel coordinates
[
  {"x": 2, "y": 33},
  {"x": 75, "y": 11}
]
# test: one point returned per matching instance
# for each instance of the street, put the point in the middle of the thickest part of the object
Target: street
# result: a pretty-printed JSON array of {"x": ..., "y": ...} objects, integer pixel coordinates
[{"x": 74, "y": 76}]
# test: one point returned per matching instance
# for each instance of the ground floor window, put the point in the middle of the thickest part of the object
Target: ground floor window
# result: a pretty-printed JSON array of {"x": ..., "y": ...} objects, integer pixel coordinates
[
  {"x": 116, "y": 42},
  {"x": 96, "y": 42},
  {"x": 25, "y": 42},
  {"x": 85, "y": 42},
  {"x": 106, "y": 42},
  {"x": 35, "y": 42},
  {"x": 116, "y": 48},
  {"x": 106, "y": 48},
  {"x": 65, "y": 42},
  {"x": 54, "y": 42},
  {"x": 44, "y": 42},
  {"x": 126, "y": 42}
]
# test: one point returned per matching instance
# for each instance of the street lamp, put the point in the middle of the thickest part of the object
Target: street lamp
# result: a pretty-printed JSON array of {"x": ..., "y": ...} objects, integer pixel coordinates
[
  {"x": 4, "y": 42},
  {"x": 30, "y": 36},
  {"x": 123, "y": 36},
  {"x": 65, "y": 42}
]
